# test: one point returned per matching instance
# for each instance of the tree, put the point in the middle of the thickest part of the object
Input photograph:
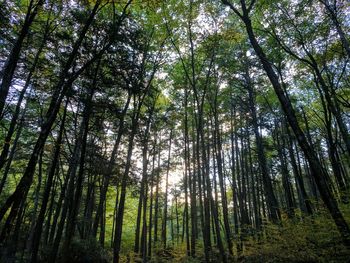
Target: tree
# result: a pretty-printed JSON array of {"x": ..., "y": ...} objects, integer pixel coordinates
[{"x": 317, "y": 171}]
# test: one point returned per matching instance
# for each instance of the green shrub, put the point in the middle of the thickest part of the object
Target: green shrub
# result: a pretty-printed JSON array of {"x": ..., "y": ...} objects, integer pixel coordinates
[
  {"x": 314, "y": 239},
  {"x": 88, "y": 251}
]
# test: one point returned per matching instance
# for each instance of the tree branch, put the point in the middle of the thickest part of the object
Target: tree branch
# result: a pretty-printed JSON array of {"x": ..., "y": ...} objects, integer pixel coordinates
[{"x": 226, "y": 2}]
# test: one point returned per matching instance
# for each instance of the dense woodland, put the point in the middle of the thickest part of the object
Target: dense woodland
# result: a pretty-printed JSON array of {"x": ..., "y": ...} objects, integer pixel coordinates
[{"x": 174, "y": 131}]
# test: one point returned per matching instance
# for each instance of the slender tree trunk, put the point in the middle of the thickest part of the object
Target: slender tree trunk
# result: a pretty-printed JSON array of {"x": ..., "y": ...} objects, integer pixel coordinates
[
  {"x": 50, "y": 209},
  {"x": 49, "y": 180},
  {"x": 115, "y": 215},
  {"x": 156, "y": 203},
  {"x": 110, "y": 167},
  {"x": 288, "y": 190},
  {"x": 191, "y": 183},
  {"x": 121, "y": 206},
  {"x": 144, "y": 222},
  {"x": 165, "y": 215},
  {"x": 219, "y": 161},
  {"x": 269, "y": 192},
  {"x": 317, "y": 171},
  {"x": 72, "y": 216},
  {"x": 336, "y": 166},
  {"x": 255, "y": 193},
  {"x": 150, "y": 225},
  {"x": 144, "y": 182},
  {"x": 187, "y": 185},
  {"x": 233, "y": 170},
  {"x": 298, "y": 176},
  {"x": 67, "y": 194}
]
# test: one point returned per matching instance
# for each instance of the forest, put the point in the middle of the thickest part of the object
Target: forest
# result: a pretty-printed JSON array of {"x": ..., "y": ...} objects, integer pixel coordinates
[{"x": 174, "y": 131}]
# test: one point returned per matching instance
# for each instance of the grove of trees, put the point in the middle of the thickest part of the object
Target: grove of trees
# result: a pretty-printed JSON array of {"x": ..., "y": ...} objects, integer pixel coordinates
[{"x": 174, "y": 130}]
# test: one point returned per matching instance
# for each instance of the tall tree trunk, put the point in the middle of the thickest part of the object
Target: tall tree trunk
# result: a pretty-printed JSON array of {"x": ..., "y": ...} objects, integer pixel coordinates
[
  {"x": 288, "y": 190},
  {"x": 187, "y": 186},
  {"x": 49, "y": 180},
  {"x": 67, "y": 193},
  {"x": 268, "y": 188},
  {"x": 109, "y": 170},
  {"x": 298, "y": 175},
  {"x": 150, "y": 225},
  {"x": 332, "y": 152},
  {"x": 233, "y": 168},
  {"x": 165, "y": 212},
  {"x": 121, "y": 205},
  {"x": 144, "y": 182},
  {"x": 156, "y": 202},
  {"x": 72, "y": 215},
  {"x": 191, "y": 181},
  {"x": 51, "y": 206},
  {"x": 316, "y": 168},
  {"x": 254, "y": 190},
  {"x": 219, "y": 160}
]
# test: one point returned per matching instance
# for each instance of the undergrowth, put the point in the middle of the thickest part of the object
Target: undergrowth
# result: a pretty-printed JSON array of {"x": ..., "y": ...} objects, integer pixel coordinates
[{"x": 302, "y": 239}]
